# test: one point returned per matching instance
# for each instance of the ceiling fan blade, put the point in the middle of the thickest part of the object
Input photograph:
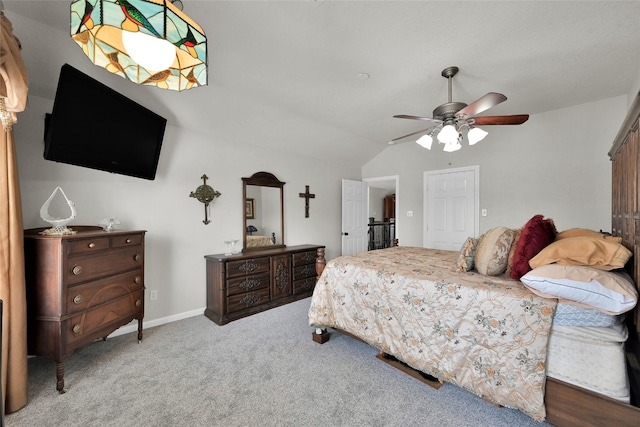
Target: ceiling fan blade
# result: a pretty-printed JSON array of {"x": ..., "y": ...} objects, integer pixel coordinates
[
  {"x": 517, "y": 119},
  {"x": 425, "y": 119},
  {"x": 395, "y": 141},
  {"x": 481, "y": 104}
]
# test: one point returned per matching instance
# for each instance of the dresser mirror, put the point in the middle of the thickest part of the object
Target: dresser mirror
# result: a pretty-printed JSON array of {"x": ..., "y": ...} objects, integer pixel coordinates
[{"x": 263, "y": 202}]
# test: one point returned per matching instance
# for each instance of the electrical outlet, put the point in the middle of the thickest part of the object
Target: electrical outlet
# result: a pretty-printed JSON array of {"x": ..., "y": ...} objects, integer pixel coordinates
[
  {"x": 153, "y": 295},
  {"x": 409, "y": 213}
]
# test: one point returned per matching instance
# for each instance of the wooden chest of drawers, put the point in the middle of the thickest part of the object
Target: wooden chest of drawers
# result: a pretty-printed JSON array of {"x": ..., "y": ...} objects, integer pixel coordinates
[
  {"x": 244, "y": 284},
  {"x": 80, "y": 288}
]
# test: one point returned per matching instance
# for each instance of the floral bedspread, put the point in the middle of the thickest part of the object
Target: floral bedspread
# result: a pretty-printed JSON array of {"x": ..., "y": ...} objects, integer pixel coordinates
[{"x": 486, "y": 334}]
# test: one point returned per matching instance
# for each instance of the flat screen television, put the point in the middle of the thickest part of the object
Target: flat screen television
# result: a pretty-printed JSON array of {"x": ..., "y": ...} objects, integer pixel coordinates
[{"x": 94, "y": 126}]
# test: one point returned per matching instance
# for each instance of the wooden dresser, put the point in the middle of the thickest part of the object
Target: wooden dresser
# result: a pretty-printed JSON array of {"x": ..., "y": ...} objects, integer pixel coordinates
[
  {"x": 80, "y": 288},
  {"x": 244, "y": 284}
]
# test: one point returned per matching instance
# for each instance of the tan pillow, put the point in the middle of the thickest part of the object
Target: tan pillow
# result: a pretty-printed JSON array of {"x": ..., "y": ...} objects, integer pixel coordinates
[
  {"x": 516, "y": 236},
  {"x": 466, "y": 258},
  {"x": 492, "y": 253},
  {"x": 585, "y": 232},
  {"x": 591, "y": 251},
  {"x": 607, "y": 291}
]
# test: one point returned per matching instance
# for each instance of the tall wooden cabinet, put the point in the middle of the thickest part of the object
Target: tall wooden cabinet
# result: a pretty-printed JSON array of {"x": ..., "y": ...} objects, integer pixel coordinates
[
  {"x": 389, "y": 207},
  {"x": 80, "y": 288},
  {"x": 244, "y": 284},
  {"x": 625, "y": 191}
]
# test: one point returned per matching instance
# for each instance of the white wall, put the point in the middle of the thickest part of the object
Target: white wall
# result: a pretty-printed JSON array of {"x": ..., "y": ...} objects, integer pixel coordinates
[
  {"x": 177, "y": 240},
  {"x": 555, "y": 164}
]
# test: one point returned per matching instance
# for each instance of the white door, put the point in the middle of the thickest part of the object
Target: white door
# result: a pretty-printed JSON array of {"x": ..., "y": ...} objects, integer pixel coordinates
[
  {"x": 451, "y": 207},
  {"x": 355, "y": 208}
]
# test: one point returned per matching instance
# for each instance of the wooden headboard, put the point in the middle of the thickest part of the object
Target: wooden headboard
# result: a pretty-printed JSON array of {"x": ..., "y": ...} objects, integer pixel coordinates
[{"x": 625, "y": 200}]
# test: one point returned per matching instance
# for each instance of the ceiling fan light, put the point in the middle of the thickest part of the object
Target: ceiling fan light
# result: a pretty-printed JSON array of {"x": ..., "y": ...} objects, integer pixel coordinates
[
  {"x": 425, "y": 141},
  {"x": 448, "y": 134},
  {"x": 476, "y": 135},
  {"x": 450, "y": 147}
]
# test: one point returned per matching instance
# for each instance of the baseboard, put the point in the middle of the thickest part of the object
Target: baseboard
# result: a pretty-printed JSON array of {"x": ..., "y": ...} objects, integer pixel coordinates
[{"x": 133, "y": 326}]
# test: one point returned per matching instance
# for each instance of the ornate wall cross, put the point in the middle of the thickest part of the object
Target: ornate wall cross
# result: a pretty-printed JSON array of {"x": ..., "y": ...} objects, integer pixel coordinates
[
  {"x": 205, "y": 194},
  {"x": 306, "y": 196}
]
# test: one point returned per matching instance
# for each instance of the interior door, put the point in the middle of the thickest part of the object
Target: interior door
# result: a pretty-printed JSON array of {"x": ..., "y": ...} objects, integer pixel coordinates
[
  {"x": 451, "y": 207},
  {"x": 355, "y": 208}
]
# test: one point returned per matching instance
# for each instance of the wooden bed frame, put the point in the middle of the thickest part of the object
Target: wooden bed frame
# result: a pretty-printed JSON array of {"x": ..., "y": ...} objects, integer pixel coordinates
[{"x": 566, "y": 404}]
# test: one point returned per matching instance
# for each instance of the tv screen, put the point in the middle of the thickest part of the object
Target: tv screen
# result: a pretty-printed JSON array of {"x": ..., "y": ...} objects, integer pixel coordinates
[{"x": 94, "y": 126}]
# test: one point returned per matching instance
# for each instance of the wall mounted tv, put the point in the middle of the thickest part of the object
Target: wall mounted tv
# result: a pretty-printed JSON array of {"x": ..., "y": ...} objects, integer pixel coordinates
[{"x": 96, "y": 127}]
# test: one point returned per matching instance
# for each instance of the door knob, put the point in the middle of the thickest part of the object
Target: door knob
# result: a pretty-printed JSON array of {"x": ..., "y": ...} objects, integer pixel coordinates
[{"x": 345, "y": 234}]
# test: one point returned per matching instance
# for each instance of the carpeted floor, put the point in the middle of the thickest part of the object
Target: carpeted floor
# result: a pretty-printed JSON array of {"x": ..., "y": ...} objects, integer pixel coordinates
[{"x": 263, "y": 370}]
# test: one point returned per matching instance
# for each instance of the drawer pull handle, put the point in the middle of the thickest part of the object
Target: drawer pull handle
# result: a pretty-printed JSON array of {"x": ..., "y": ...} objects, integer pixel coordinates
[
  {"x": 92, "y": 245},
  {"x": 249, "y": 284},
  {"x": 138, "y": 303},
  {"x": 138, "y": 279},
  {"x": 137, "y": 257},
  {"x": 77, "y": 328},
  {"x": 128, "y": 241},
  {"x": 249, "y": 300},
  {"x": 77, "y": 270},
  {"x": 77, "y": 299}
]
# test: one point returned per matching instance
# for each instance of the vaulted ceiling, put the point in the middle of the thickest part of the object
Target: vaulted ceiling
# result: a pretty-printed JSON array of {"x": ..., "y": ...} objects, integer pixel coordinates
[{"x": 287, "y": 74}]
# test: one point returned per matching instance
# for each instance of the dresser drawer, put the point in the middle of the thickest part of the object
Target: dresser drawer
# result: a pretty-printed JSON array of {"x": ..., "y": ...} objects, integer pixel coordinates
[
  {"x": 301, "y": 258},
  {"x": 105, "y": 318},
  {"x": 304, "y": 285},
  {"x": 248, "y": 266},
  {"x": 88, "y": 295},
  {"x": 248, "y": 283},
  {"x": 80, "y": 269},
  {"x": 250, "y": 299},
  {"x": 82, "y": 246},
  {"x": 304, "y": 271},
  {"x": 126, "y": 240}
]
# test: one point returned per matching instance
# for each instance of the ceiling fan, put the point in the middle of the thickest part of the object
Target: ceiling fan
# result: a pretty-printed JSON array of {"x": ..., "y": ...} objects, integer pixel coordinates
[{"x": 451, "y": 118}]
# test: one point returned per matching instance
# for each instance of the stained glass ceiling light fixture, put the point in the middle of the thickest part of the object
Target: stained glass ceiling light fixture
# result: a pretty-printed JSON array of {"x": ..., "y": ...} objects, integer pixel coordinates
[{"x": 150, "y": 42}]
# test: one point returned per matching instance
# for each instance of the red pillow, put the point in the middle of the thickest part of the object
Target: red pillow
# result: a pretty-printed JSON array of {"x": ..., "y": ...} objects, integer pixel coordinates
[{"x": 536, "y": 235}]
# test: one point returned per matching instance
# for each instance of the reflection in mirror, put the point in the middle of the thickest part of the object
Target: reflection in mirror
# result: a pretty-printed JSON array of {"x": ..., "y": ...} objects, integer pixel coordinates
[
  {"x": 263, "y": 216},
  {"x": 263, "y": 212}
]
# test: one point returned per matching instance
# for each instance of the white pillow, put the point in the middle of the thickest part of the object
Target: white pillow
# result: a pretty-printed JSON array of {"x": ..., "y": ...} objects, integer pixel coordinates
[{"x": 609, "y": 292}]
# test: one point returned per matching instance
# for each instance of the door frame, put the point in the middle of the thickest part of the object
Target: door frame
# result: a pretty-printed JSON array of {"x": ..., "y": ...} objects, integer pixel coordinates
[
  {"x": 476, "y": 218},
  {"x": 395, "y": 178}
]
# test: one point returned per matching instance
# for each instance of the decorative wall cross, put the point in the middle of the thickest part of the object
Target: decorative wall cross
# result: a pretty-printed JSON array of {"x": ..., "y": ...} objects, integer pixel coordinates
[
  {"x": 205, "y": 194},
  {"x": 306, "y": 196}
]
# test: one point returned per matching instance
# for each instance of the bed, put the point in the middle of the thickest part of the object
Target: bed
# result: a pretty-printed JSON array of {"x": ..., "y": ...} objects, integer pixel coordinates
[
  {"x": 487, "y": 334},
  {"x": 551, "y": 356}
]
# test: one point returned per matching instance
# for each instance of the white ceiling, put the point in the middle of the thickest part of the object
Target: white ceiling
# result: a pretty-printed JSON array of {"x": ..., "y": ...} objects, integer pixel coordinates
[{"x": 283, "y": 74}]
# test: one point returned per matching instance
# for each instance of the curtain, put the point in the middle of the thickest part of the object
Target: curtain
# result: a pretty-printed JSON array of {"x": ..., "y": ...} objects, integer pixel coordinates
[{"x": 13, "y": 98}]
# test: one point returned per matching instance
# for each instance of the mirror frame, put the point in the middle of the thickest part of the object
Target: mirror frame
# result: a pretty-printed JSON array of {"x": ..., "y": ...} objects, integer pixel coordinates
[{"x": 261, "y": 179}]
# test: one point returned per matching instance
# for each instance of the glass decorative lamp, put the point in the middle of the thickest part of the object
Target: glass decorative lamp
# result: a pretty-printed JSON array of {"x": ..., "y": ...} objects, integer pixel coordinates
[{"x": 149, "y": 42}]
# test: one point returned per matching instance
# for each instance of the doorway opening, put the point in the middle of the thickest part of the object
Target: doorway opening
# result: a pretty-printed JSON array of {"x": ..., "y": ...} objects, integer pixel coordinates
[{"x": 383, "y": 202}]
